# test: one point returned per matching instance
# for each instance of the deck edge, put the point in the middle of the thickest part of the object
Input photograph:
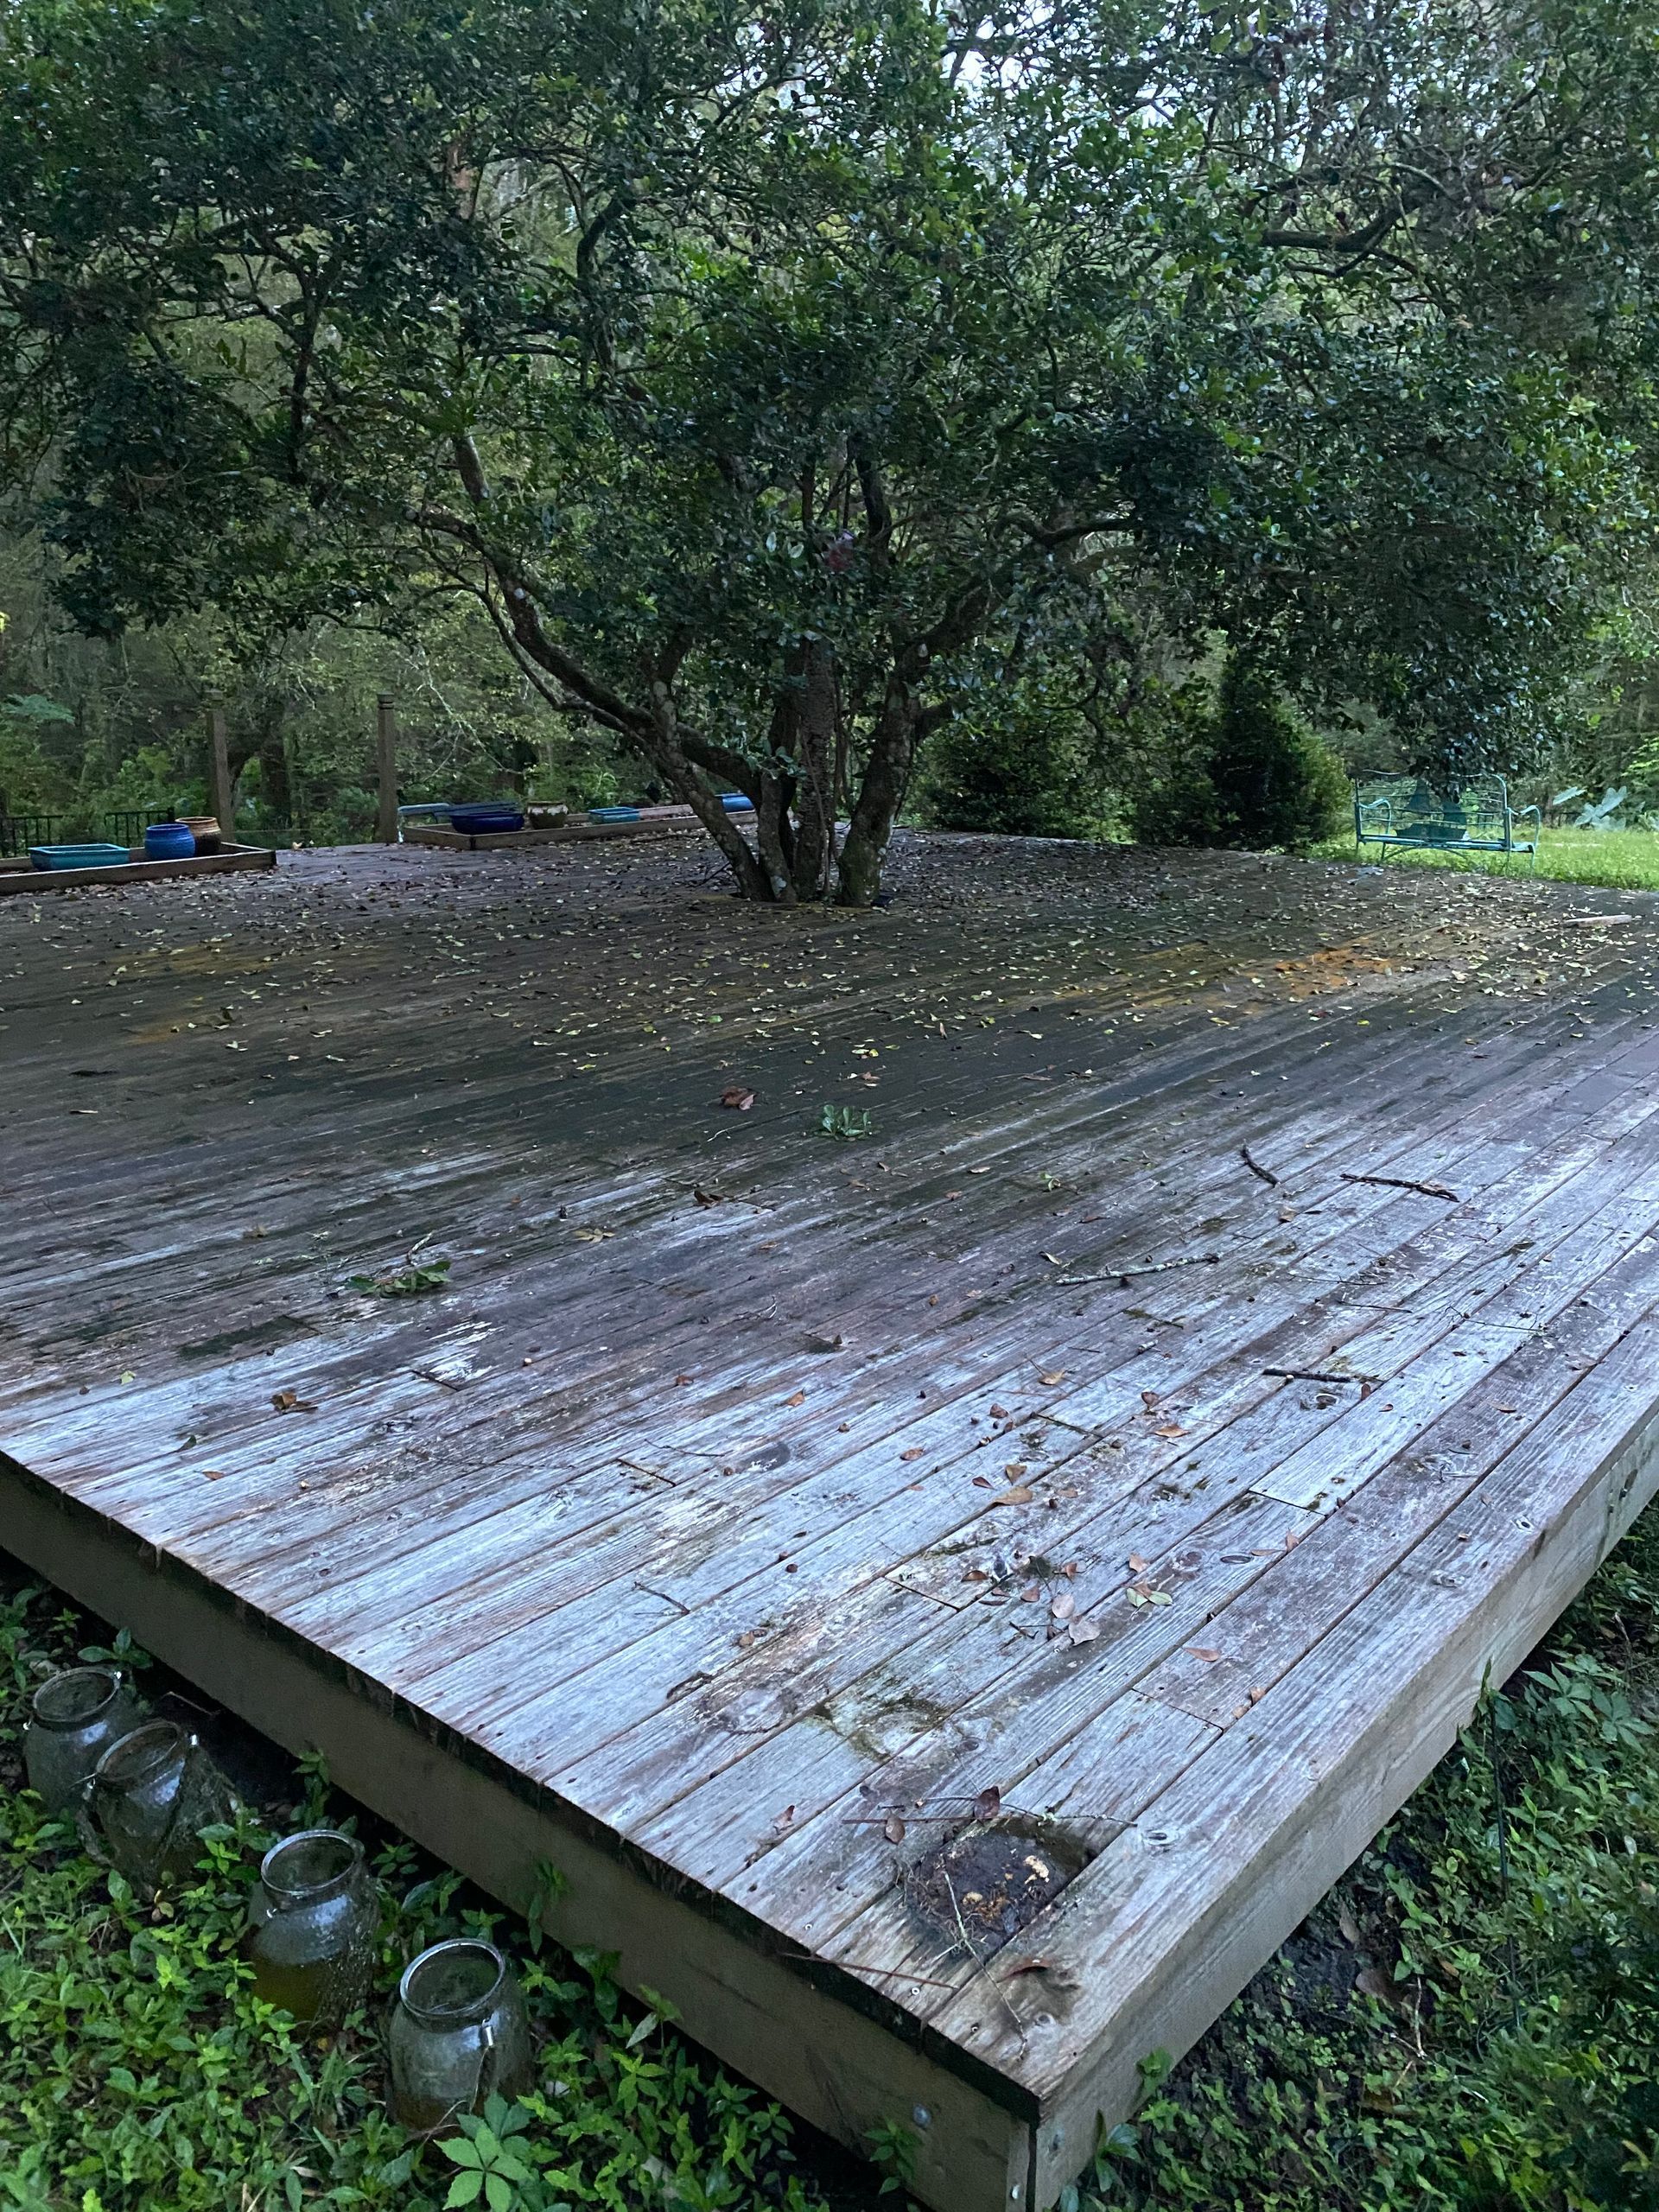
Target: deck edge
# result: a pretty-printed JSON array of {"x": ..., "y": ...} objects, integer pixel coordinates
[{"x": 824, "y": 2058}]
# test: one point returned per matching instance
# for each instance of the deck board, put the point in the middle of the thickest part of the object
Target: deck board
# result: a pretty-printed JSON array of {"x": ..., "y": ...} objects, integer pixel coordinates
[{"x": 735, "y": 1509}]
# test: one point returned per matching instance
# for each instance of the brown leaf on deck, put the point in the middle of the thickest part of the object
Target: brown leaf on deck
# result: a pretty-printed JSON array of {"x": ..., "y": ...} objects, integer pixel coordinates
[
  {"x": 739, "y": 1098},
  {"x": 1020, "y": 1495}
]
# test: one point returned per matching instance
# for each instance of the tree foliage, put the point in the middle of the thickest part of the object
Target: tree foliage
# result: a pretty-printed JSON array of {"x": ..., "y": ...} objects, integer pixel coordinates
[{"x": 777, "y": 376}]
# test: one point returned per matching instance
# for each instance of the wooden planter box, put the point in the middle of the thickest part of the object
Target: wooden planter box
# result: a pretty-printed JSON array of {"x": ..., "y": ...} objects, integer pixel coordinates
[{"x": 21, "y": 876}]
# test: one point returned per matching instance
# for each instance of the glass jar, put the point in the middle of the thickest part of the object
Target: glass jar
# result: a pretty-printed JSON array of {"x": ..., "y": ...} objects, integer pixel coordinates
[
  {"x": 145, "y": 1803},
  {"x": 313, "y": 1926},
  {"x": 458, "y": 2033},
  {"x": 74, "y": 1718}
]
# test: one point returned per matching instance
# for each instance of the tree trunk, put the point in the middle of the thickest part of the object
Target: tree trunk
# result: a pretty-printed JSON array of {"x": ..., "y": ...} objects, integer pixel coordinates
[
  {"x": 772, "y": 832},
  {"x": 665, "y": 750},
  {"x": 818, "y": 722},
  {"x": 880, "y": 795}
]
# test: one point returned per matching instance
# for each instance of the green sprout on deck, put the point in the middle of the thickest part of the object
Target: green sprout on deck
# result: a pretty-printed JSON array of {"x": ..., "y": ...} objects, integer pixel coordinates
[
  {"x": 847, "y": 1123},
  {"x": 406, "y": 1282}
]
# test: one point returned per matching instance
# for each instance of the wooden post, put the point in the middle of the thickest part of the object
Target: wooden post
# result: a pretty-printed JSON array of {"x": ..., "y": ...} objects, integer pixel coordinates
[
  {"x": 219, "y": 770},
  {"x": 386, "y": 753}
]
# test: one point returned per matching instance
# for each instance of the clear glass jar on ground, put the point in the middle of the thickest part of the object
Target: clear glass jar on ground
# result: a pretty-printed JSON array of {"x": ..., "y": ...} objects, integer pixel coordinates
[
  {"x": 458, "y": 2033},
  {"x": 145, "y": 1803},
  {"x": 74, "y": 1718},
  {"x": 314, "y": 1922}
]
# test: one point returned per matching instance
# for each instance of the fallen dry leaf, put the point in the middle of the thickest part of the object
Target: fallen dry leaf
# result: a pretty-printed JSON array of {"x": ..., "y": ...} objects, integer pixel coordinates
[
  {"x": 893, "y": 1828},
  {"x": 1054, "y": 1379},
  {"x": 916, "y": 1451},
  {"x": 1062, "y": 1604},
  {"x": 1084, "y": 1632},
  {"x": 1137, "y": 1564},
  {"x": 1020, "y": 1495},
  {"x": 799, "y": 1399},
  {"x": 1348, "y": 1926},
  {"x": 739, "y": 1098},
  {"x": 1170, "y": 1428},
  {"x": 988, "y": 1803},
  {"x": 1204, "y": 1652}
]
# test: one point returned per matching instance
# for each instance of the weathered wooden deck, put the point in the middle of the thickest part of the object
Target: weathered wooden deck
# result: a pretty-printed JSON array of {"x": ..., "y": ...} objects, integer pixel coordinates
[{"x": 753, "y": 1503}]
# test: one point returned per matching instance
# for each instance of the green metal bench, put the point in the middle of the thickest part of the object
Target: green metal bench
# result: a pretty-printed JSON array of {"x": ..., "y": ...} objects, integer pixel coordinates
[{"x": 1473, "y": 816}]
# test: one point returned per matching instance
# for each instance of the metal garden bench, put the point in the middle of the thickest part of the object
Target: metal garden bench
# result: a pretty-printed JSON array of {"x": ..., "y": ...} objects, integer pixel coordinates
[{"x": 1473, "y": 816}]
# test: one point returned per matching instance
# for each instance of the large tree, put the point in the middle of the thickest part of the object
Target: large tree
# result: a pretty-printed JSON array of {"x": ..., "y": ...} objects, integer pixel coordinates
[{"x": 780, "y": 377}]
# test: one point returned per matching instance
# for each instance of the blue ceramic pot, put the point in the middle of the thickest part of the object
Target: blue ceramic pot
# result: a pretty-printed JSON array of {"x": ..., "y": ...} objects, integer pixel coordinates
[{"x": 168, "y": 840}]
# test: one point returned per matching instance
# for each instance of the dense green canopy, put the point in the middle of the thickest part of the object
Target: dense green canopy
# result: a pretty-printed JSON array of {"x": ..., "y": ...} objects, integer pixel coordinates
[{"x": 786, "y": 380}]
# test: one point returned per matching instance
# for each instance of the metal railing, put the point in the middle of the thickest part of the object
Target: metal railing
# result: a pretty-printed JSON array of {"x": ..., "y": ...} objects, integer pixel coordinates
[{"x": 124, "y": 825}]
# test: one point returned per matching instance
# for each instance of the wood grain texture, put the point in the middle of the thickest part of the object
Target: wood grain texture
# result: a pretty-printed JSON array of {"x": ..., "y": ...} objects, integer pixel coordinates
[{"x": 750, "y": 1503}]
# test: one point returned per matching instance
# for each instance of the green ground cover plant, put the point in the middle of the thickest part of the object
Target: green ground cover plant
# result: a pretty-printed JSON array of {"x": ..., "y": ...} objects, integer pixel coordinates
[
  {"x": 139, "y": 2073},
  {"x": 1467, "y": 2024}
]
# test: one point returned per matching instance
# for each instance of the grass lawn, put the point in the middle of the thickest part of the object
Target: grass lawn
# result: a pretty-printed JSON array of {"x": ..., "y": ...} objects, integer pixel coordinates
[
  {"x": 1468, "y": 2021},
  {"x": 1623, "y": 860}
]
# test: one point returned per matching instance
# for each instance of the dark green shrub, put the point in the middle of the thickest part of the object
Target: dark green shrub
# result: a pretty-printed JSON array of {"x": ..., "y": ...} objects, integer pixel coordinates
[
  {"x": 1022, "y": 768},
  {"x": 1257, "y": 777}
]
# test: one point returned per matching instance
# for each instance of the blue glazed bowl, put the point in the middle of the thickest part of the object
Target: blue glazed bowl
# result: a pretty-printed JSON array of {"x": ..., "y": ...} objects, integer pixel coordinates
[{"x": 168, "y": 840}]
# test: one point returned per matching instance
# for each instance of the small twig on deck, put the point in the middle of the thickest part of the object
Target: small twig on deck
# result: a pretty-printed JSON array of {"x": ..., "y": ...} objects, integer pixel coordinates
[
  {"x": 1163, "y": 1267},
  {"x": 666, "y": 1597},
  {"x": 1124, "y": 1276},
  {"x": 1404, "y": 1183},
  {"x": 1316, "y": 1375},
  {"x": 1255, "y": 1167},
  {"x": 431, "y": 1374}
]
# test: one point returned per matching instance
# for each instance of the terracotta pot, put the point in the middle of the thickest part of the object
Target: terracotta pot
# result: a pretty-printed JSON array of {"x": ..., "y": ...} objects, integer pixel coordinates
[{"x": 209, "y": 837}]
